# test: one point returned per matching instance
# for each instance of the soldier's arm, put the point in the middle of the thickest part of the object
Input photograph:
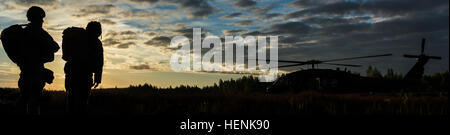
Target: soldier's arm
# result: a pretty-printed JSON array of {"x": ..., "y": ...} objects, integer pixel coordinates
[
  {"x": 99, "y": 70},
  {"x": 54, "y": 47}
]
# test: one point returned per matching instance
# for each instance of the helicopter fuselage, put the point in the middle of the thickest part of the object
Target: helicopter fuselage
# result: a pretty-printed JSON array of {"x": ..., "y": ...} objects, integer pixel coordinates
[{"x": 328, "y": 80}]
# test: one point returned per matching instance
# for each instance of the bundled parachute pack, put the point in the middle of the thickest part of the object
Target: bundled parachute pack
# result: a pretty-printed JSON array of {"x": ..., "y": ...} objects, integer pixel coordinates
[{"x": 12, "y": 38}]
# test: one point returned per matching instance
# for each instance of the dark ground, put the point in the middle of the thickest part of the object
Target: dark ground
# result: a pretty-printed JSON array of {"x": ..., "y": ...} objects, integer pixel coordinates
[{"x": 120, "y": 102}]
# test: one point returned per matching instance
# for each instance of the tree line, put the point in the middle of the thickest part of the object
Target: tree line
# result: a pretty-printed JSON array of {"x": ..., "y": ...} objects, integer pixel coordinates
[{"x": 251, "y": 84}]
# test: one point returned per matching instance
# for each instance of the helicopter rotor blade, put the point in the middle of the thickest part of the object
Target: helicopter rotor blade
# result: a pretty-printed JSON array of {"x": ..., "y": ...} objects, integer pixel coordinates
[
  {"x": 347, "y": 65},
  {"x": 231, "y": 72},
  {"x": 289, "y": 61},
  {"x": 285, "y": 61},
  {"x": 293, "y": 65},
  {"x": 361, "y": 57},
  {"x": 434, "y": 57},
  {"x": 411, "y": 56}
]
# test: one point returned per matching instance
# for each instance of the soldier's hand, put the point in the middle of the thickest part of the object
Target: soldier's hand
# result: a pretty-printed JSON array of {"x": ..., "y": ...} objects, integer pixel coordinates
[
  {"x": 96, "y": 84},
  {"x": 97, "y": 81}
]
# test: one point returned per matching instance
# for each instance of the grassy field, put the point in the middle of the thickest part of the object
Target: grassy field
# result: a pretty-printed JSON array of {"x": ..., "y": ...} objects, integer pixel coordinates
[{"x": 127, "y": 101}]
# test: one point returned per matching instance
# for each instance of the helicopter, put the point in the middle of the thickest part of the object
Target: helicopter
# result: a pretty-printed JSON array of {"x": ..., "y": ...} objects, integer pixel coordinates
[{"x": 329, "y": 80}]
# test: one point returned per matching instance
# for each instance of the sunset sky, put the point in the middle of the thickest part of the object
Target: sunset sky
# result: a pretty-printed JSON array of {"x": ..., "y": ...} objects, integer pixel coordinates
[{"x": 137, "y": 33}]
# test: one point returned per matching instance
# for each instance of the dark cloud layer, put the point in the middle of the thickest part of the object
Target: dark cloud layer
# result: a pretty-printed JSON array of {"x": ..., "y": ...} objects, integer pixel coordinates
[
  {"x": 35, "y": 2},
  {"x": 243, "y": 23},
  {"x": 232, "y": 15},
  {"x": 313, "y": 27},
  {"x": 234, "y": 32},
  {"x": 148, "y": 1},
  {"x": 140, "y": 67},
  {"x": 322, "y": 29},
  {"x": 110, "y": 42},
  {"x": 95, "y": 10},
  {"x": 328, "y": 21},
  {"x": 137, "y": 14},
  {"x": 160, "y": 41},
  {"x": 290, "y": 28},
  {"x": 120, "y": 39},
  {"x": 380, "y": 7},
  {"x": 196, "y": 8},
  {"x": 107, "y": 21},
  {"x": 126, "y": 45},
  {"x": 244, "y": 3},
  {"x": 312, "y": 3}
]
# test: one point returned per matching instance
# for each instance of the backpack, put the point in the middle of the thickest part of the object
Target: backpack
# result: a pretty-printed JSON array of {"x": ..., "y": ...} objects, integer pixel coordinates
[
  {"x": 12, "y": 38},
  {"x": 74, "y": 44}
]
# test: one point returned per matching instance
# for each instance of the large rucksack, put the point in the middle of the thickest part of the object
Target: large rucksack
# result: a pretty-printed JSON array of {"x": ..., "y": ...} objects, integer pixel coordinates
[
  {"x": 12, "y": 39},
  {"x": 74, "y": 44},
  {"x": 75, "y": 50}
]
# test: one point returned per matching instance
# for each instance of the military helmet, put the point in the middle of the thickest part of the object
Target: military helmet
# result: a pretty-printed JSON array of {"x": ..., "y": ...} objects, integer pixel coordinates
[{"x": 35, "y": 13}]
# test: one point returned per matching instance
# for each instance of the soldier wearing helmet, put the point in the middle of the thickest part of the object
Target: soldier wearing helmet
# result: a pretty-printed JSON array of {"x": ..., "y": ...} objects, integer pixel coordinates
[{"x": 38, "y": 47}]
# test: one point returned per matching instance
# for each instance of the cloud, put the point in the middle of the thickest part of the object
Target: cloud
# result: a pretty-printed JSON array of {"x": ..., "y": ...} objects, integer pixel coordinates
[
  {"x": 335, "y": 8},
  {"x": 328, "y": 21},
  {"x": 311, "y": 3},
  {"x": 188, "y": 32},
  {"x": 122, "y": 35},
  {"x": 120, "y": 39},
  {"x": 243, "y": 23},
  {"x": 95, "y": 10},
  {"x": 126, "y": 45},
  {"x": 233, "y": 32},
  {"x": 110, "y": 42},
  {"x": 195, "y": 8},
  {"x": 261, "y": 13},
  {"x": 159, "y": 41},
  {"x": 244, "y": 3},
  {"x": 100, "y": 9},
  {"x": 418, "y": 23},
  {"x": 35, "y": 2},
  {"x": 128, "y": 32},
  {"x": 5, "y": 5},
  {"x": 147, "y": 1},
  {"x": 147, "y": 67},
  {"x": 137, "y": 14},
  {"x": 140, "y": 67},
  {"x": 345, "y": 28},
  {"x": 334, "y": 22},
  {"x": 150, "y": 33},
  {"x": 255, "y": 33},
  {"x": 271, "y": 15},
  {"x": 404, "y": 26},
  {"x": 379, "y": 7},
  {"x": 232, "y": 15},
  {"x": 294, "y": 28},
  {"x": 107, "y": 21}
]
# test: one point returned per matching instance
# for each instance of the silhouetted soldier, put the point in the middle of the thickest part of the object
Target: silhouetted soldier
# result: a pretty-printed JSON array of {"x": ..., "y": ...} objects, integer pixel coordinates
[
  {"x": 38, "y": 48},
  {"x": 84, "y": 58}
]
